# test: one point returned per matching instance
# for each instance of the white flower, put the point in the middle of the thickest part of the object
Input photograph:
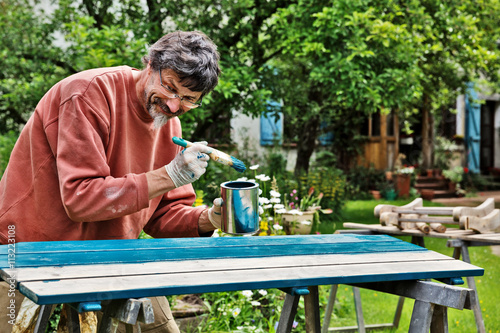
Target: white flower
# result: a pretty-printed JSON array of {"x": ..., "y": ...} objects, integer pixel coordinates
[
  {"x": 306, "y": 222},
  {"x": 277, "y": 227},
  {"x": 263, "y": 292},
  {"x": 260, "y": 191},
  {"x": 281, "y": 211},
  {"x": 254, "y": 167},
  {"x": 295, "y": 212},
  {"x": 261, "y": 210},
  {"x": 275, "y": 200},
  {"x": 268, "y": 206},
  {"x": 275, "y": 194},
  {"x": 251, "y": 180},
  {"x": 247, "y": 293},
  {"x": 236, "y": 312},
  {"x": 242, "y": 179},
  {"x": 255, "y": 303},
  {"x": 263, "y": 177},
  {"x": 263, "y": 201},
  {"x": 279, "y": 206}
]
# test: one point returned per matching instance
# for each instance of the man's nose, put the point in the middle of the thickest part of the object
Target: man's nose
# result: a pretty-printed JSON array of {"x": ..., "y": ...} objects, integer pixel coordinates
[{"x": 174, "y": 104}]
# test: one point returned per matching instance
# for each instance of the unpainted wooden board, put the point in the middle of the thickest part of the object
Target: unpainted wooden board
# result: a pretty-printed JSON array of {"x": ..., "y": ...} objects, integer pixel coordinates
[{"x": 77, "y": 290}]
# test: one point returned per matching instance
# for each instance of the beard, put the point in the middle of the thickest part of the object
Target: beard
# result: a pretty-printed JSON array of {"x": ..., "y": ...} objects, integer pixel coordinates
[{"x": 160, "y": 118}]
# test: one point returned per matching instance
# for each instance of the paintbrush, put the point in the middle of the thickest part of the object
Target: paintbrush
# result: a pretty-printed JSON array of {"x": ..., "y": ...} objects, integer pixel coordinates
[{"x": 215, "y": 155}]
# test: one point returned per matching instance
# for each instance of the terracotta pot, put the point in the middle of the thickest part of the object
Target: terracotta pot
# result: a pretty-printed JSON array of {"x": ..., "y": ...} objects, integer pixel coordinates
[
  {"x": 430, "y": 173},
  {"x": 376, "y": 195},
  {"x": 403, "y": 182},
  {"x": 298, "y": 224},
  {"x": 452, "y": 186}
]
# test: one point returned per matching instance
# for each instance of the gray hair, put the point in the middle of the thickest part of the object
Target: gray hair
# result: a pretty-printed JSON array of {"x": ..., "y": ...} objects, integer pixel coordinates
[{"x": 191, "y": 55}]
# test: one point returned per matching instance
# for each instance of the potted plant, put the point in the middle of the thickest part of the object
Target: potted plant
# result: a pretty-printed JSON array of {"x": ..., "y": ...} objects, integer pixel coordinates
[
  {"x": 455, "y": 177},
  {"x": 304, "y": 214}
]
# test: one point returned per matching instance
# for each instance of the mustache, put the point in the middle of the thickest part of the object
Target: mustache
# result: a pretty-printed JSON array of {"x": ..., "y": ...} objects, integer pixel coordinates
[{"x": 165, "y": 107}]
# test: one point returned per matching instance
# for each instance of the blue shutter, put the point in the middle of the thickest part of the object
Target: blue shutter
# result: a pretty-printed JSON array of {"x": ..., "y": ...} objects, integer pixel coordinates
[
  {"x": 271, "y": 125},
  {"x": 472, "y": 129},
  {"x": 325, "y": 139}
]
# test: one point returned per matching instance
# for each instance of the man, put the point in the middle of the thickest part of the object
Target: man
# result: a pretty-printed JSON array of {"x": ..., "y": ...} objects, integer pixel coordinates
[{"x": 96, "y": 158}]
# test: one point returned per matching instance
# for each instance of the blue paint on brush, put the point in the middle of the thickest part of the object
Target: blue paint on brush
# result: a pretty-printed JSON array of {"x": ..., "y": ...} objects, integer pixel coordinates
[
  {"x": 238, "y": 165},
  {"x": 216, "y": 155}
]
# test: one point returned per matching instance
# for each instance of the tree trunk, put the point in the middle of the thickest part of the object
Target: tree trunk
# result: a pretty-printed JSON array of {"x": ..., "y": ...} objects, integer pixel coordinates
[
  {"x": 306, "y": 145},
  {"x": 427, "y": 135}
]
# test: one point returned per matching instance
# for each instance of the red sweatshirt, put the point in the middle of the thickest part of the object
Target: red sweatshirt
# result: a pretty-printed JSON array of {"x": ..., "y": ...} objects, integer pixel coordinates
[{"x": 77, "y": 171}]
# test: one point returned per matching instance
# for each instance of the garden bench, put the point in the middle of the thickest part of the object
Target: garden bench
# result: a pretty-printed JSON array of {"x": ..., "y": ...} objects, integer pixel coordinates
[
  {"x": 474, "y": 226},
  {"x": 119, "y": 275}
]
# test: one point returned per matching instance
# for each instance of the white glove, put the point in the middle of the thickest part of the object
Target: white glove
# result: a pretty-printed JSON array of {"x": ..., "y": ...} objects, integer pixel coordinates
[
  {"x": 214, "y": 214},
  {"x": 189, "y": 164}
]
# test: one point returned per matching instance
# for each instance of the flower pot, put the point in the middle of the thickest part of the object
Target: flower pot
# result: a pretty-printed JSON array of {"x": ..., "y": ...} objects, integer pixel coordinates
[
  {"x": 403, "y": 185},
  {"x": 376, "y": 195},
  {"x": 294, "y": 224}
]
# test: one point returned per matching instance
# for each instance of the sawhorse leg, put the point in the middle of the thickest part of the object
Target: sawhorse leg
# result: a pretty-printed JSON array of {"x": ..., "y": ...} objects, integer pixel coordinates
[
  {"x": 361, "y": 327},
  {"x": 431, "y": 301},
  {"x": 311, "y": 302},
  {"x": 461, "y": 247},
  {"x": 128, "y": 311}
]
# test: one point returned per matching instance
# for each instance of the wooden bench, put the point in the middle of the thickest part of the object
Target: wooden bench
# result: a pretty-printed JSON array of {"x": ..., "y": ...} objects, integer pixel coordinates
[
  {"x": 458, "y": 239},
  {"x": 91, "y": 274}
]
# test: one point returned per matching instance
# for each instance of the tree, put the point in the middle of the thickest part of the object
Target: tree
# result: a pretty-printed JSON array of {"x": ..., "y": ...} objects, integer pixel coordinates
[
  {"x": 459, "y": 42},
  {"x": 356, "y": 57}
]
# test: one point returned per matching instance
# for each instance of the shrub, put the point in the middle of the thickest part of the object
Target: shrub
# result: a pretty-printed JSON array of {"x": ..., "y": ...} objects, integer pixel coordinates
[{"x": 7, "y": 142}]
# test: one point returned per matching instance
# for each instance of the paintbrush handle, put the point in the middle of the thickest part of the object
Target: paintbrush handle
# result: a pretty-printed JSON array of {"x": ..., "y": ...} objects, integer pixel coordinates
[{"x": 215, "y": 155}]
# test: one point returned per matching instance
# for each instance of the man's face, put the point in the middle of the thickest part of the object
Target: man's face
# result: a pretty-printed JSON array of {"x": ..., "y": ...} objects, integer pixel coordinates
[{"x": 163, "y": 97}]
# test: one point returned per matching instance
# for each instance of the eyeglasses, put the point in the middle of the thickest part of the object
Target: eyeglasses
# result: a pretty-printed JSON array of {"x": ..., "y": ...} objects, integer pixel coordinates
[{"x": 184, "y": 102}]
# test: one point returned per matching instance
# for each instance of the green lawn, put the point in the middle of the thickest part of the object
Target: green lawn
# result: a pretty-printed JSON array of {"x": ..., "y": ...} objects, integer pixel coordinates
[{"x": 380, "y": 308}]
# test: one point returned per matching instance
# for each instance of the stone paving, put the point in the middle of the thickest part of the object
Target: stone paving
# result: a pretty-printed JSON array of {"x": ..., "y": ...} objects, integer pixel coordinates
[{"x": 472, "y": 201}]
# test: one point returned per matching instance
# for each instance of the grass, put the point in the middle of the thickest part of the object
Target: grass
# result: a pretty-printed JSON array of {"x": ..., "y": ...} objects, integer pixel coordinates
[{"x": 380, "y": 308}]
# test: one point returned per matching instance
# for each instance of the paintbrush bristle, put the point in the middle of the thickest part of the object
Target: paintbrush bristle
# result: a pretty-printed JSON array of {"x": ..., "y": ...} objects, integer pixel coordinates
[{"x": 238, "y": 165}]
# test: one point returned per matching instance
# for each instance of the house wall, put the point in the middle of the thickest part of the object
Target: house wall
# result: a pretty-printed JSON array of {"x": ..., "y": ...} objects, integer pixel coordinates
[
  {"x": 245, "y": 132},
  {"x": 496, "y": 141}
]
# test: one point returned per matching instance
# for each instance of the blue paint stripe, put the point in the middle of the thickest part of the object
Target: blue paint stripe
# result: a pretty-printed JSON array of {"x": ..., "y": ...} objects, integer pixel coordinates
[
  {"x": 262, "y": 284},
  {"x": 175, "y": 254},
  {"x": 137, "y": 244}
]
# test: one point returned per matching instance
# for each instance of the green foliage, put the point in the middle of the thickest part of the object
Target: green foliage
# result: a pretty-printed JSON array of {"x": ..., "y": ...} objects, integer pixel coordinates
[
  {"x": 329, "y": 61},
  {"x": 243, "y": 311},
  {"x": 360, "y": 180},
  {"x": 7, "y": 143},
  {"x": 329, "y": 181}
]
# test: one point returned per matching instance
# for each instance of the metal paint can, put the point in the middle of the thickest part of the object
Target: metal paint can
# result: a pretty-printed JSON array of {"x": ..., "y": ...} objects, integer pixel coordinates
[{"x": 240, "y": 207}]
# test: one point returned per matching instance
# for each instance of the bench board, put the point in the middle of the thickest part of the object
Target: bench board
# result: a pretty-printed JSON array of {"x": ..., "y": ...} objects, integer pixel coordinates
[{"x": 63, "y": 272}]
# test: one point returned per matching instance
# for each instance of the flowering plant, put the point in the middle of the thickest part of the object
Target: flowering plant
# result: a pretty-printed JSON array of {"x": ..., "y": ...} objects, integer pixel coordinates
[
  {"x": 456, "y": 174},
  {"x": 406, "y": 170},
  {"x": 311, "y": 202}
]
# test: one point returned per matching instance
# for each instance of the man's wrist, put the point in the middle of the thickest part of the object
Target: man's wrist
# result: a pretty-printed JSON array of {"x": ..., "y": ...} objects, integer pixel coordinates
[{"x": 204, "y": 224}]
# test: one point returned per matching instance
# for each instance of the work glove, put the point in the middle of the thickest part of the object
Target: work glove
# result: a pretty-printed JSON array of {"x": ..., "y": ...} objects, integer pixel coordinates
[
  {"x": 189, "y": 164},
  {"x": 214, "y": 213}
]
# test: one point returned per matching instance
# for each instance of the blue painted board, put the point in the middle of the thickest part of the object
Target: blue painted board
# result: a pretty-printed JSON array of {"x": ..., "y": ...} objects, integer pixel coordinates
[
  {"x": 220, "y": 248},
  {"x": 143, "y": 255},
  {"x": 199, "y": 242},
  {"x": 119, "y": 244}
]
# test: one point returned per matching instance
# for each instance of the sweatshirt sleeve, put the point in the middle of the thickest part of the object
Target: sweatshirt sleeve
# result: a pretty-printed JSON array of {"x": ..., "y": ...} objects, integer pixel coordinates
[
  {"x": 88, "y": 191},
  {"x": 175, "y": 217}
]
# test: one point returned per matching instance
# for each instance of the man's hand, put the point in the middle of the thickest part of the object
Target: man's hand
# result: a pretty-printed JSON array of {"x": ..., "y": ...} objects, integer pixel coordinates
[
  {"x": 214, "y": 214},
  {"x": 189, "y": 164}
]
